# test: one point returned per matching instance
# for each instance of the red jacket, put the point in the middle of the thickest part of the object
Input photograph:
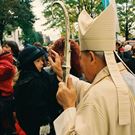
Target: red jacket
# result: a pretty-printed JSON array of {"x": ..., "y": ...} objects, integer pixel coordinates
[
  {"x": 19, "y": 130},
  {"x": 7, "y": 72}
]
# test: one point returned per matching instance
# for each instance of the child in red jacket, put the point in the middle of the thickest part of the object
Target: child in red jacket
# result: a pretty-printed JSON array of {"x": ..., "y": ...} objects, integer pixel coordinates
[
  {"x": 19, "y": 130},
  {"x": 7, "y": 72}
]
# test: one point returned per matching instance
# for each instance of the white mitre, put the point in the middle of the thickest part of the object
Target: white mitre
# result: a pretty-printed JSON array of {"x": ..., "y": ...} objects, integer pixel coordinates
[{"x": 99, "y": 34}]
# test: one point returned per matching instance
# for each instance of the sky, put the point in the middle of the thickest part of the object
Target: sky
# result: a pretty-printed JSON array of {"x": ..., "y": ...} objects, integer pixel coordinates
[{"x": 38, "y": 9}]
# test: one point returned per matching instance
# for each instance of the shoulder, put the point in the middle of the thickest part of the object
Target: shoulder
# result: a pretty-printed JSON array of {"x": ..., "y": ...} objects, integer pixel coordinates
[
  {"x": 48, "y": 72},
  {"x": 102, "y": 93},
  {"x": 50, "y": 75},
  {"x": 103, "y": 87},
  {"x": 26, "y": 77},
  {"x": 101, "y": 98}
]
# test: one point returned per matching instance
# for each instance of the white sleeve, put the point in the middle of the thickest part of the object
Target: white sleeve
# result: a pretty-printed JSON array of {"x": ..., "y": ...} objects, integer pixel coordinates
[
  {"x": 85, "y": 121},
  {"x": 82, "y": 87},
  {"x": 65, "y": 121}
]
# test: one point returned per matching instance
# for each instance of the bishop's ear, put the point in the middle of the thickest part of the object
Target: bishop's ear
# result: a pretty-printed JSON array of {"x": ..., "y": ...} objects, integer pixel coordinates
[{"x": 92, "y": 57}]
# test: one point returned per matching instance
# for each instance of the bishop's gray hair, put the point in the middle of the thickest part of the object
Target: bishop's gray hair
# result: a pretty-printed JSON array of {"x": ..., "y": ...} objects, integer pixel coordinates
[{"x": 99, "y": 54}]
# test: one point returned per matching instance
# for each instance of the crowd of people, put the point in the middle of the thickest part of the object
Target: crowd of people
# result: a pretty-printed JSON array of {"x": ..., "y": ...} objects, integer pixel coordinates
[
  {"x": 29, "y": 85},
  {"x": 98, "y": 98},
  {"x": 127, "y": 53}
]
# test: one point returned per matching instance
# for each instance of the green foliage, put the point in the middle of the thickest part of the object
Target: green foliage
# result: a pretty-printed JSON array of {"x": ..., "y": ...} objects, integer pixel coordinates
[
  {"x": 32, "y": 36},
  {"x": 126, "y": 13},
  {"x": 74, "y": 7},
  {"x": 15, "y": 13}
]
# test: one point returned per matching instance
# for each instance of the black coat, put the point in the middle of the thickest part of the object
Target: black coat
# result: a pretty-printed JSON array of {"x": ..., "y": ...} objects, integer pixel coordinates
[{"x": 35, "y": 100}]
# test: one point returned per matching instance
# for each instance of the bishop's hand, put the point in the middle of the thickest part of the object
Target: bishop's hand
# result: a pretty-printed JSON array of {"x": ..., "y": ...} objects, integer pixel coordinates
[{"x": 66, "y": 95}]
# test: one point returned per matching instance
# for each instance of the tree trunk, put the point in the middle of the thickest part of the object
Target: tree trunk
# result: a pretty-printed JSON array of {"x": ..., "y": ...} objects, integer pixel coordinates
[
  {"x": 126, "y": 31},
  {"x": 1, "y": 33},
  {"x": 126, "y": 25}
]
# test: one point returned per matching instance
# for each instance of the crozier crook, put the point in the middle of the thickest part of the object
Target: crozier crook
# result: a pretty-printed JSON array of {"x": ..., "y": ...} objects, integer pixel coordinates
[{"x": 66, "y": 64}]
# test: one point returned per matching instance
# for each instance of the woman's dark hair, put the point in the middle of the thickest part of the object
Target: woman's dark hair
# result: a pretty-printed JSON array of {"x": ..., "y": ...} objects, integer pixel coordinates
[{"x": 14, "y": 47}]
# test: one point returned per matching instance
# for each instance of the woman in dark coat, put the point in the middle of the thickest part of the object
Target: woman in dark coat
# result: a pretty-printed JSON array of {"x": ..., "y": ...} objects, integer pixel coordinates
[{"x": 35, "y": 93}]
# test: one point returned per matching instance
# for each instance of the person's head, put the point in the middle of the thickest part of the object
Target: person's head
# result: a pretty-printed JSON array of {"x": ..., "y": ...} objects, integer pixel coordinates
[
  {"x": 59, "y": 46},
  {"x": 11, "y": 46},
  {"x": 127, "y": 48},
  {"x": 118, "y": 44},
  {"x": 133, "y": 49},
  {"x": 31, "y": 58},
  {"x": 96, "y": 36},
  {"x": 39, "y": 63},
  {"x": 37, "y": 44},
  {"x": 91, "y": 62}
]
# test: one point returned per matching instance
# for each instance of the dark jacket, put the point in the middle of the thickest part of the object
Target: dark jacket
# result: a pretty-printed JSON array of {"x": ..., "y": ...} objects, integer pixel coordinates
[
  {"x": 129, "y": 61},
  {"x": 35, "y": 98}
]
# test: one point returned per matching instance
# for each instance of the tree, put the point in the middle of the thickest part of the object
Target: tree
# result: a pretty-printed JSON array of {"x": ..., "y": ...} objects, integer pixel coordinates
[
  {"x": 15, "y": 13},
  {"x": 126, "y": 13},
  {"x": 32, "y": 37},
  {"x": 74, "y": 8},
  {"x": 26, "y": 18}
]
